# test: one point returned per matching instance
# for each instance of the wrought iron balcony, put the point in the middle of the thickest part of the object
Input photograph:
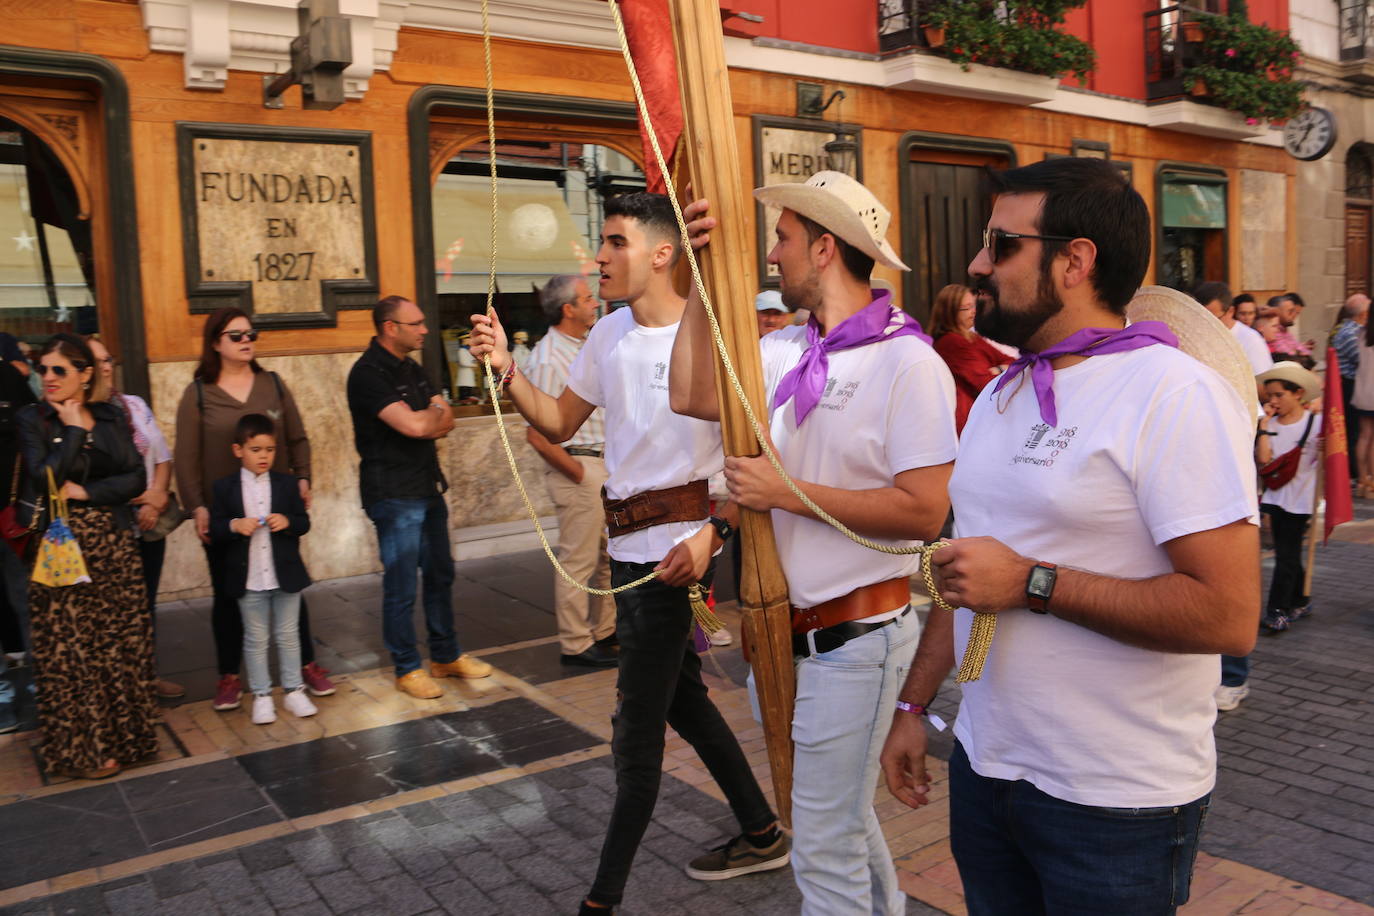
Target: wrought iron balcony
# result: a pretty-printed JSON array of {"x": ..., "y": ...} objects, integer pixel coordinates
[
  {"x": 899, "y": 25},
  {"x": 1173, "y": 37},
  {"x": 1355, "y": 31}
]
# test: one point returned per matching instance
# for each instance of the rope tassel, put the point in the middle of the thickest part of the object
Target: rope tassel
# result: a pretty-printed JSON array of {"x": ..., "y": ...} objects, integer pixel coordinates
[
  {"x": 701, "y": 611},
  {"x": 976, "y": 652}
]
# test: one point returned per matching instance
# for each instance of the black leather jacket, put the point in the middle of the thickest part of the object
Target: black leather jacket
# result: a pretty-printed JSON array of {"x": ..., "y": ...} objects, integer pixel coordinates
[{"x": 103, "y": 460}]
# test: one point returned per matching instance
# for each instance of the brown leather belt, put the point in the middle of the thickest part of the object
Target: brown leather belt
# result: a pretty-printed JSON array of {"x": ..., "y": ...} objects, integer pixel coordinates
[
  {"x": 687, "y": 503},
  {"x": 862, "y": 602}
]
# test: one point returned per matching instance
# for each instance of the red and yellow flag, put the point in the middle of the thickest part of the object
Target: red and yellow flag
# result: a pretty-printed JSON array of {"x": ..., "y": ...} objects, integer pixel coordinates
[
  {"x": 1336, "y": 454},
  {"x": 650, "y": 33}
]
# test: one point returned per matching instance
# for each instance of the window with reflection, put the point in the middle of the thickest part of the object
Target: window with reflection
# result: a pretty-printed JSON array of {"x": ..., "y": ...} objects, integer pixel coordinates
[
  {"x": 46, "y": 262},
  {"x": 550, "y": 197}
]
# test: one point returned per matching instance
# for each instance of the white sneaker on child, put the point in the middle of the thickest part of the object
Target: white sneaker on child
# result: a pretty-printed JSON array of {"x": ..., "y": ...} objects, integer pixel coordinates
[
  {"x": 298, "y": 703},
  {"x": 264, "y": 713}
]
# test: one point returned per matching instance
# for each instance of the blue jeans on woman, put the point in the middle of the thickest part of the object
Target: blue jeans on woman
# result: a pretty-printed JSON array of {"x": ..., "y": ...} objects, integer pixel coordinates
[
  {"x": 412, "y": 535},
  {"x": 1024, "y": 852},
  {"x": 271, "y": 617}
]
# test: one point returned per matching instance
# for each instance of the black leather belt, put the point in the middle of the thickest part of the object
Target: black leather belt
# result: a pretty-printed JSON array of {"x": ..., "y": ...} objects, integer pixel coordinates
[
  {"x": 831, "y": 638},
  {"x": 584, "y": 452}
]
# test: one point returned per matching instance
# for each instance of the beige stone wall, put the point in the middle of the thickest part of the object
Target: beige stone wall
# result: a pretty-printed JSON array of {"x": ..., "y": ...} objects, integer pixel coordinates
[{"x": 341, "y": 541}]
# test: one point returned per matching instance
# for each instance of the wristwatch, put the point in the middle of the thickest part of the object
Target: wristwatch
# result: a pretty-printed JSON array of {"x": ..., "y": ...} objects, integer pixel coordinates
[
  {"x": 724, "y": 530},
  {"x": 1040, "y": 586}
]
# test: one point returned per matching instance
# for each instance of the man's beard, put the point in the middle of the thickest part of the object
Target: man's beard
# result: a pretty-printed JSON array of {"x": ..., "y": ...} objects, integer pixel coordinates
[
  {"x": 1014, "y": 329},
  {"x": 805, "y": 294}
]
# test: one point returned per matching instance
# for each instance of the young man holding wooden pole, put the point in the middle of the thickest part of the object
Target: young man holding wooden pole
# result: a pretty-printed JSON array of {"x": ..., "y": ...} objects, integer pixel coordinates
[
  {"x": 656, "y": 510},
  {"x": 862, "y": 414}
]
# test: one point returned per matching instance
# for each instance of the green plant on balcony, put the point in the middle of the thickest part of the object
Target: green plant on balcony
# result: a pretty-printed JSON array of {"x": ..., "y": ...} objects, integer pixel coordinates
[
  {"x": 1016, "y": 34},
  {"x": 1246, "y": 67}
]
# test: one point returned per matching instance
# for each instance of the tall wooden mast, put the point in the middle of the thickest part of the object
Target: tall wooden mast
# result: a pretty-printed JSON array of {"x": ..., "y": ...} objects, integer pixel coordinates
[{"x": 713, "y": 162}]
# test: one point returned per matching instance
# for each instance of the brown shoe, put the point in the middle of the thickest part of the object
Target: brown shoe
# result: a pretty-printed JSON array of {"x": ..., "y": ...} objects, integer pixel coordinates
[
  {"x": 109, "y": 769},
  {"x": 169, "y": 690},
  {"x": 418, "y": 684},
  {"x": 462, "y": 666}
]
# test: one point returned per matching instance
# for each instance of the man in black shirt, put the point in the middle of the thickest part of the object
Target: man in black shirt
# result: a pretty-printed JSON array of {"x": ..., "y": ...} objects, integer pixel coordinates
[{"x": 396, "y": 417}]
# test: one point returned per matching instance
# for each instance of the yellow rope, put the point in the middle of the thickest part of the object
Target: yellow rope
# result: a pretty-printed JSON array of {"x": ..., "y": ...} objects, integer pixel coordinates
[{"x": 984, "y": 624}]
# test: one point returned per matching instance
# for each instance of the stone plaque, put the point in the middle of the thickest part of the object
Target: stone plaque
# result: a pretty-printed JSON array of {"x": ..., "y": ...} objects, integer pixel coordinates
[
  {"x": 790, "y": 150},
  {"x": 1263, "y": 232},
  {"x": 278, "y": 222}
]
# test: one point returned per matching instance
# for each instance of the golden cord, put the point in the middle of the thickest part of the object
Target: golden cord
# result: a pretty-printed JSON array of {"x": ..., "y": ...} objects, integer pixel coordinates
[{"x": 984, "y": 625}]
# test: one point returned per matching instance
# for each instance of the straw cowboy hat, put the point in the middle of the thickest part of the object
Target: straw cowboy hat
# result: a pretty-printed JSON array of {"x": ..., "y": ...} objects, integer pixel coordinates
[
  {"x": 1201, "y": 335},
  {"x": 1288, "y": 371},
  {"x": 843, "y": 206}
]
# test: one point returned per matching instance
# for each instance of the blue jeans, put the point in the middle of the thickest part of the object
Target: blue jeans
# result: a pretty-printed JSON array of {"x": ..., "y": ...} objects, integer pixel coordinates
[
  {"x": 1022, "y": 851},
  {"x": 1235, "y": 670},
  {"x": 271, "y": 616},
  {"x": 412, "y": 534},
  {"x": 840, "y": 859}
]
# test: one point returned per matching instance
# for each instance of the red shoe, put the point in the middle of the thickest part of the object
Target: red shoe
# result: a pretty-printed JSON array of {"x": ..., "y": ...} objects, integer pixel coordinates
[
  {"x": 228, "y": 693},
  {"x": 315, "y": 680}
]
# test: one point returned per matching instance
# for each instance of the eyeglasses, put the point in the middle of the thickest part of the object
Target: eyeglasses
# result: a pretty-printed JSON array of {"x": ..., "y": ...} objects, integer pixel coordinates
[
  {"x": 409, "y": 324},
  {"x": 995, "y": 241},
  {"x": 249, "y": 335},
  {"x": 59, "y": 371},
  {"x": 108, "y": 361}
]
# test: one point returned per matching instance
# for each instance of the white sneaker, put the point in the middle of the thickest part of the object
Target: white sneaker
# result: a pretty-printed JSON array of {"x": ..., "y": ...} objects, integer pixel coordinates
[
  {"x": 297, "y": 703},
  {"x": 720, "y": 637},
  {"x": 1229, "y": 697},
  {"x": 264, "y": 713}
]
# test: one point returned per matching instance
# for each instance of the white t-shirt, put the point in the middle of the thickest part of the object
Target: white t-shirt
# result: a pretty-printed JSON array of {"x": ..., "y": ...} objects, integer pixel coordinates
[
  {"x": 623, "y": 367},
  {"x": 1295, "y": 496},
  {"x": 1150, "y": 445},
  {"x": 888, "y": 407},
  {"x": 1256, "y": 350}
]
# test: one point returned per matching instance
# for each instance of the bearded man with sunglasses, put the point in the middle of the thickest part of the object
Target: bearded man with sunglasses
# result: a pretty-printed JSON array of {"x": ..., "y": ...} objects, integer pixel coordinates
[
  {"x": 1104, "y": 509},
  {"x": 397, "y": 416}
]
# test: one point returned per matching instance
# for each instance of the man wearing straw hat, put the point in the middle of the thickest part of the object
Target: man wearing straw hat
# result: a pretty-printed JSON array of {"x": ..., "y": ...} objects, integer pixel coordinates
[
  {"x": 862, "y": 415},
  {"x": 1105, "y": 512},
  {"x": 656, "y": 499}
]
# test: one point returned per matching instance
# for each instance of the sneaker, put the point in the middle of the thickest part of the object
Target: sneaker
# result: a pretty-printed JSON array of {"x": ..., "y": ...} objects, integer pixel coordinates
[
  {"x": 1274, "y": 622},
  {"x": 739, "y": 857},
  {"x": 592, "y": 657},
  {"x": 1298, "y": 613},
  {"x": 264, "y": 713},
  {"x": 228, "y": 693},
  {"x": 298, "y": 704},
  {"x": 720, "y": 637},
  {"x": 418, "y": 684},
  {"x": 1229, "y": 698},
  {"x": 169, "y": 690},
  {"x": 462, "y": 666},
  {"x": 315, "y": 680}
]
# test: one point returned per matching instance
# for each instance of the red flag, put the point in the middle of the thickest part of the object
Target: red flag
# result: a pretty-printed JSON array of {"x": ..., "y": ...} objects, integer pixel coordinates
[
  {"x": 1337, "y": 452},
  {"x": 650, "y": 33}
]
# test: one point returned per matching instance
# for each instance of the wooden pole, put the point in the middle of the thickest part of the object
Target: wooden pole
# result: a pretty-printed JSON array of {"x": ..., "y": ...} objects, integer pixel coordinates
[
  {"x": 713, "y": 162},
  {"x": 1312, "y": 526}
]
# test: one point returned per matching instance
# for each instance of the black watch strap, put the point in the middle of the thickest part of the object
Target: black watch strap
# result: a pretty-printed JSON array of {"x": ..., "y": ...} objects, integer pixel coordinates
[{"x": 723, "y": 528}]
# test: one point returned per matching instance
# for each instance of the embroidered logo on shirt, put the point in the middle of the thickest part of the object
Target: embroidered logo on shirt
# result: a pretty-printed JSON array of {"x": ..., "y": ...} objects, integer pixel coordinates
[
  {"x": 837, "y": 396},
  {"x": 1053, "y": 446},
  {"x": 658, "y": 384}
]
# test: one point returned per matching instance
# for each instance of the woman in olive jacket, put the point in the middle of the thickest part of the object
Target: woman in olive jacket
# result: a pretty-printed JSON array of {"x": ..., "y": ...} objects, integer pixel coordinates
[{"x": 92, "y": 642}]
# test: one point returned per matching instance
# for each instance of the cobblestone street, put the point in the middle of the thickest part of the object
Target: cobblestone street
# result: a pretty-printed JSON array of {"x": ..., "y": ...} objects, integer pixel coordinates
[{"x": 494, "y": 798}]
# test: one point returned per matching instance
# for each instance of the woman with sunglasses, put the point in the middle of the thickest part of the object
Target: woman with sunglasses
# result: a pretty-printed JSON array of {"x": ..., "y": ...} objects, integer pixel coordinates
[
  {"x": 228, "y": 384},
  {"x": 92, "y": 643},
  {"x": 972, "y": 360},
  {"x": 149, "y": 505}
]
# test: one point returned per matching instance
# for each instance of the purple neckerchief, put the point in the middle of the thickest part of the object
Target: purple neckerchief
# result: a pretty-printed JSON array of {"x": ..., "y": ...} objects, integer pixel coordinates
[
  {"x": 1097, "y": 340},
  {"x": 879, "y": 320}
]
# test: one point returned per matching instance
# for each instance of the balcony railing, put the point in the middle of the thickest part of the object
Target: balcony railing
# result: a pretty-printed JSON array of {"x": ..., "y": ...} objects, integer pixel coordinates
[
  {"x": 899, "y": 25},
  {"x": 1354, "y": 30},
  {"x": 1172, "y": 44}
]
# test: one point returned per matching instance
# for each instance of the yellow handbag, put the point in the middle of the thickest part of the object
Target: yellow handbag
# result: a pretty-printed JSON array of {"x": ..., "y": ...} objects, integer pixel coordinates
[{"x": 59, "y": 561}]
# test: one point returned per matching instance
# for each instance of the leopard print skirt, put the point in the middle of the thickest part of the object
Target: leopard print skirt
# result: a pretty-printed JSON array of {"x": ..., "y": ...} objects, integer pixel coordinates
[{"x": 94, "y": 668}]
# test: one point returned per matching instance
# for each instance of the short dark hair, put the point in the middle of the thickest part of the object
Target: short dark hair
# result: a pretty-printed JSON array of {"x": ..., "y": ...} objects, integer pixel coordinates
[
  {"x": 652, "y": 211},
  {"x": 1276, "y": 301},
  {"x": 1242, "y": 298},
  {"x": 1091, "y": 199},
  {"x": 1294, "y": 387},
  {"x": 854, "y": 260},
  {"x": 1297, "y": 300},
  {"x": 1214, "y": 290},
  {"x": 386, "y": 309},
  {"x": 251, "y": 425},
  {"x": 208, "y": 369}
]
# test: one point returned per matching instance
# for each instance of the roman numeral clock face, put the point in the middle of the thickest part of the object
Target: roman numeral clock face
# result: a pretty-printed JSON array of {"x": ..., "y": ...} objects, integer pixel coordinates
[{"x": 1310, "y": 134}]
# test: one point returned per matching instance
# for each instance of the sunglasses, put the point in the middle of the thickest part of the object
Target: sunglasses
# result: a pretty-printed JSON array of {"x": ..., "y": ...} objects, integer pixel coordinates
[
  {"x": 249, "y": 335},
  {"x": 409, "y": 324},
  {"x": 1000, "y": 244},
  {"x": 59, "y": 371}
]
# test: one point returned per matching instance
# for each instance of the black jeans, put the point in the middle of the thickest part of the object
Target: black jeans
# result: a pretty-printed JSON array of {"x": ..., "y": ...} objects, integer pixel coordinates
[
  {"x": 227, "y": 624},
  {"x": 153, "y": 554},
  {"x": 1285, "y": 590},
  {"x": 660, "y": 684}
]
